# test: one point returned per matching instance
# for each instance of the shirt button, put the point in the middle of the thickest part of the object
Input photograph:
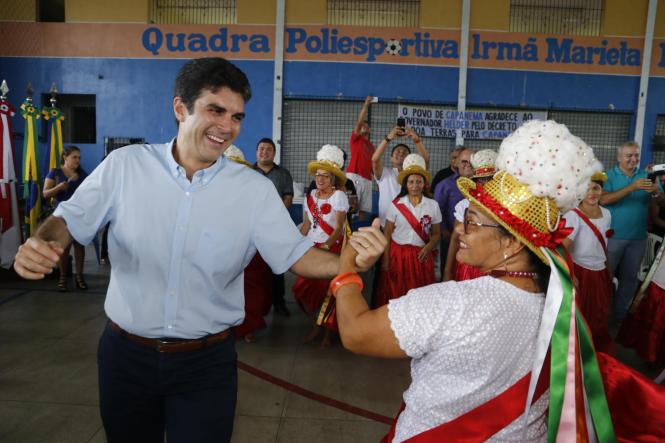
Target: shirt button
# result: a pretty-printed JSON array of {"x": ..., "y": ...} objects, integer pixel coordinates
[
  {"x": 187, "y": 193},
  {"x": 170, "y": 326}
]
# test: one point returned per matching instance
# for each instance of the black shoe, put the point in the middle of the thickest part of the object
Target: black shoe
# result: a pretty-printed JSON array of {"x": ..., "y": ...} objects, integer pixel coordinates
[{"x": 281, "y": 309}]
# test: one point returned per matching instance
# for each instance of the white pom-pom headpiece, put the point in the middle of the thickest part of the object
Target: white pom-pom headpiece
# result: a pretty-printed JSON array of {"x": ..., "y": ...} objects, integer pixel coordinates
[
  {"x": 551, "y": 161},
  {"x": 484, "y": 163},
  {"x": 542, "y": 171},
  {"x": 414, "y": 164},
  {"x": 234, "y": 153},
  {"x": 331, "y": 159}
]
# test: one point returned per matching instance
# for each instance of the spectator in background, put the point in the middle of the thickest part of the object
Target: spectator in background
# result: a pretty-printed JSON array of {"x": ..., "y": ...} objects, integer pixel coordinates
[
  {"x": 324, "y": 224},
  {"x": 412, "y": 230},
  {"x": 627, "y": 194},
  {"x": 386, "y": 176},
  {"x": 447, "y": 196},
  {"x": 60, "y": 184},
  {"x": 281, "y": 178},
  {"x": 484, "y": 167},
  {"x": 348, "y": 188},
  {"x": 587, "y": 245},
  {"x": 449, "y": 170},
  {"x": 360, "y": 165}
]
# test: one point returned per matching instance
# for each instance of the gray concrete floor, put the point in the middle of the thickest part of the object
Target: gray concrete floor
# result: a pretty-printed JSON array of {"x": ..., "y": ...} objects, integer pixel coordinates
[{"x": 48, "y": 373}]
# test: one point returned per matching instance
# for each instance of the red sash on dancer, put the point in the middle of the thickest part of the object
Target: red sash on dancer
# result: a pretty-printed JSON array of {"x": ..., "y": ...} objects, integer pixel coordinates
[
  {"x": 413, "y": 221},
  {"x": 318, "y": 218},
  {"x": 482, "y": 422},
  {"x": 594, "y": 229}
]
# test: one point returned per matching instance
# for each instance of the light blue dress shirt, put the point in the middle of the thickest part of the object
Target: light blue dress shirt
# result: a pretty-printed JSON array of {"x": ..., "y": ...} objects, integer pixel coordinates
[{"x": 178, "y": 248}]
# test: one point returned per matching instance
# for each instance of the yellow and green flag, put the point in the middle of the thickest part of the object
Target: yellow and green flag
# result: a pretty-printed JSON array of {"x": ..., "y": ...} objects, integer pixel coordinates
[{"x": 30, "y": 171}]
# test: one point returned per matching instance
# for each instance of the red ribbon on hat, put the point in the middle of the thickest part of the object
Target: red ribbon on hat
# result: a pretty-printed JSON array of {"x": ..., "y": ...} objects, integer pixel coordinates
[{"x": 549, "y": 240}]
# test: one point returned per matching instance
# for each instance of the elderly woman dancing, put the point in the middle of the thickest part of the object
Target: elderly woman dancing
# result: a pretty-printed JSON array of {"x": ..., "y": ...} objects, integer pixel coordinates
[{"x": 504, "y": 357}]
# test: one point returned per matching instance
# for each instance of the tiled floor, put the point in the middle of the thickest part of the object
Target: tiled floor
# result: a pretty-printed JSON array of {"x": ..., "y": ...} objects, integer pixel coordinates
[{"x": 48, "y": 373}]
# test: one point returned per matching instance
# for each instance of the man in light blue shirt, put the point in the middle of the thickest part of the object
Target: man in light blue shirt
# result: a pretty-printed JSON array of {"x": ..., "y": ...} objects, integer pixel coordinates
[
  {"x": 184, "y": 223},
  {"x": 627, "y": 194}
]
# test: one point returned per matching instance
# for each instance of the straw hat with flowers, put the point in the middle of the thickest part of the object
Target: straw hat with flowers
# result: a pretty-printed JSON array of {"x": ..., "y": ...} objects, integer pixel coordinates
[
  {"x": 484, "y": 163},
  {"x": 414, "y": 164},
  {"x": 235, "y": 154},
  {"x": 329, "y": 158}
]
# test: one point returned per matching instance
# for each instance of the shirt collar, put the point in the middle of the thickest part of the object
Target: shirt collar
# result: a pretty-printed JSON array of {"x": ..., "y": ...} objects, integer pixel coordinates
[
  {"x": 176, "y": 170},
  {"x": 274, "y": 166},
  {"x": 620, "y": 171}
]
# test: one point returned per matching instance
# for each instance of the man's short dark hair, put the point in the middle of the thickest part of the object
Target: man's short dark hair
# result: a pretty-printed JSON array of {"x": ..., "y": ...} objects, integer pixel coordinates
[
  {"x": 269, "y": 141},
  {"x": 210, "y": 73},
  {"x": 400, "y": 145}
]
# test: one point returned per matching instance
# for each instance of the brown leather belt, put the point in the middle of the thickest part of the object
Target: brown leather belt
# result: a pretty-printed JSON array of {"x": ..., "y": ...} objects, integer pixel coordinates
[{"x": 172, "y": 346}]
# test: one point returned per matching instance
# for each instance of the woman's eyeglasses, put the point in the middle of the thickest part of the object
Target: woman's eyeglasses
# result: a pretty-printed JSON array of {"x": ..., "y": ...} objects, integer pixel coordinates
[
  {"x": 468, "y": 222},
  {"x": 322, "y": 175}
]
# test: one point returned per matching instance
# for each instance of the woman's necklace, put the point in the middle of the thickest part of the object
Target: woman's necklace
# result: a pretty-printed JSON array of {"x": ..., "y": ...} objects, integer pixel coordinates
[
  {"x": 317, "y": 210},
  {"x": 519, "y": 274}
]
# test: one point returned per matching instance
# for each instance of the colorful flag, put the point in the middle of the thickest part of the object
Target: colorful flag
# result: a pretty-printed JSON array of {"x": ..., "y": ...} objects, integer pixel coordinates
[
  {"x": 30, "y": 173},
  {"x": 54, "y": 118},
  {"x": 10, "y": 229}
]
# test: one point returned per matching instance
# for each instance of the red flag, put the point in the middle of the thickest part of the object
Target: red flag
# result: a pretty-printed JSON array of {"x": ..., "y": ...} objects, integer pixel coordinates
[{"x": 10, "y": 230}]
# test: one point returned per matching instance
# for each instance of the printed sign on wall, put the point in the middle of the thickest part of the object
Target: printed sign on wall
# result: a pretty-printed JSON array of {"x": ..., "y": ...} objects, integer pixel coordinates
[
  {"x": 406, "y": 46},
  {"x": 432, "y": 121}
]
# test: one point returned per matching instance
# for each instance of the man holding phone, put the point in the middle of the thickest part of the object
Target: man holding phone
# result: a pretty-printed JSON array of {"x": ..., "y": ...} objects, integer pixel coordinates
[
  {"x": 627, "y": 194},
  {"x": 386, "y": 176},
  {"x": 360, "y": 165}
]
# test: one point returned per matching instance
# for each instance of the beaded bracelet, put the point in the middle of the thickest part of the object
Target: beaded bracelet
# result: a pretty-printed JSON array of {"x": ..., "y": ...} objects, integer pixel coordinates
[{"x": 345, "y": 279}]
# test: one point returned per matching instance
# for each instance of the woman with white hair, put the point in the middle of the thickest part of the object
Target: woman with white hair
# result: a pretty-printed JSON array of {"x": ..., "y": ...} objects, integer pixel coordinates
[
  {"x": 325, "y": 225},
  {"x": 413, "y": 231}
]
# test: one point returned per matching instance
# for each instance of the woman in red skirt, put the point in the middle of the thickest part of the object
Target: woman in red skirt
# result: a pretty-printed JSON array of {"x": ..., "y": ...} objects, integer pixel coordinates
[
  {"x": 324, "y": 224},
  {"x": 484, "y": 167},
  {"x": 587, "y": 245},
  {"x": 258, "y": 279},
  {"x": 644, "y": 326},
  {"x": 413, "y": 231}
]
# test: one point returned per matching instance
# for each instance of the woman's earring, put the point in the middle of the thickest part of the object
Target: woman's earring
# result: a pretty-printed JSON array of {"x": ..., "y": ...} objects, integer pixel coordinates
[{"x": 505, "y": 259}]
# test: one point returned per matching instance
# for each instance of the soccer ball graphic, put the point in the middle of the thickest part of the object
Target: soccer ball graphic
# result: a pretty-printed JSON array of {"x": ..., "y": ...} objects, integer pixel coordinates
[{"x": 393, "y": 47}]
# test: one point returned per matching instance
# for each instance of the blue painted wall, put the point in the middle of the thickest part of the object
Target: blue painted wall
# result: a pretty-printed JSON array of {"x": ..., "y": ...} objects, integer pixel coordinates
[{"x": 134, "y": 95}]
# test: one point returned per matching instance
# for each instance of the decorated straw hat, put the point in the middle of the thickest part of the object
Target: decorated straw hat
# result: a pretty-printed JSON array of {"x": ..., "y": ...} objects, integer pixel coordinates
[
  {"x": 414, "y": 164},
  {"x": 543, "y": 171},
  {"x": 329, "y": 158},
  {"x": 484, "y": 163},
  {"x": 598, "y": 174},
  {"x": 235, "y": 154}
]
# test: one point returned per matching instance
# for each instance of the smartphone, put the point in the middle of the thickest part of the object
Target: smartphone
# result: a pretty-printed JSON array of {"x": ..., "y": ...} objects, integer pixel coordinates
[
  {"x": 401, "y": 122},
  {"x": 656, "y": 171}
]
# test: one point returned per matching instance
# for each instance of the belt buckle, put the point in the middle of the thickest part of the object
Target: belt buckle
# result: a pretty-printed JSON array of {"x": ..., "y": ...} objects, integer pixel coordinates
[{"x": 161, "y": 344}]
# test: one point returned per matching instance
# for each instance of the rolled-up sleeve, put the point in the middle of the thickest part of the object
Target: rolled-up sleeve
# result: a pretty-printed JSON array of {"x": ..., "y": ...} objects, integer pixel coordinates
[
  {"x": 276, "y": 237},
  {"x": 91, "y": 205}
]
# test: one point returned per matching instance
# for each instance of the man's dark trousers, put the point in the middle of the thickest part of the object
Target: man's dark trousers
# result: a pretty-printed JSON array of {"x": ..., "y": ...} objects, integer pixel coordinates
[{"x": 143, "y": 393}]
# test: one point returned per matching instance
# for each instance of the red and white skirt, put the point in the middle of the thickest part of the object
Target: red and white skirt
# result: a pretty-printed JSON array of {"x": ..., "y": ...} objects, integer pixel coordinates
[
  {"x": 644, "y": 330},
  {"x": 310, "y": 292},
  {"x": 593, "y": 300},
  {"x": 259, "y": 281},
  {"x": 406, "y": 272}
]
